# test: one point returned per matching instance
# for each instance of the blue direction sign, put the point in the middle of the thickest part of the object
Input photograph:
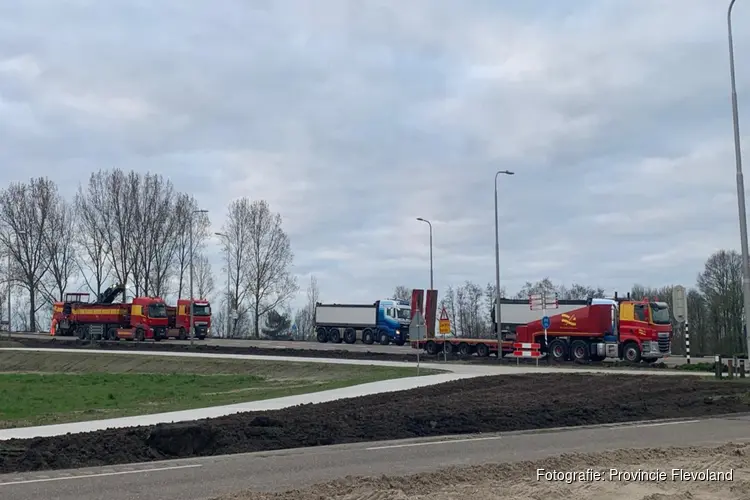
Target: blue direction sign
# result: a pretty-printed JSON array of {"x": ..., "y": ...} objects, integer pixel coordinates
[{"x": 545, "y": 322}]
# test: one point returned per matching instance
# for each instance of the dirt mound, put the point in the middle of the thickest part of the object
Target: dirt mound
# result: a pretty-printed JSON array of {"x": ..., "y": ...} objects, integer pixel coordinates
[
  {"x": 518, "y": 480},
  {"x": 483, "y": 404}
]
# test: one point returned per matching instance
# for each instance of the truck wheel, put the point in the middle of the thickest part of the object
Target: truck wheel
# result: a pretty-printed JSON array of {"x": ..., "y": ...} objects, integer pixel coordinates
[
  {"x": 140, "y": 336},
  {"x": 579, "y": 351},
  {"x": 558, "y": 350},
  {"x": 431, "y": 348},
  {"x": 368, "y": 337},
  {"x": 448, "y": 348},
  {"x": 384, "y": 338},
  {"x": 183, "y": 333},
  {"x": 112, "y": 334},
  {"x": 464, "y": 349},
  {"x": 334, "y": 335},
  {"x": 322, "y": 335},
  {"x": 350, "y": 335},
  {"x": 482, "y": 350},
  {"x": 400, "y": 340},
  {"x": 631, "y": 352}
]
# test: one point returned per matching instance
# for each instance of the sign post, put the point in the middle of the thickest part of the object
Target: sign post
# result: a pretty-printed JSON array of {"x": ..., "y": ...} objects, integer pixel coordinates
[
  {"x": 417, "y": 331},
  {"x": 445, "y": 329},
  {"x": 543, "y": 301},
  {"x": 680, "y": 312}
]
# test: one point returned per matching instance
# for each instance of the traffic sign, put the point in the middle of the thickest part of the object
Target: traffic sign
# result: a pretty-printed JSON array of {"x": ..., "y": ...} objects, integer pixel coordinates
[
  {"x": 545, "y": 322},
  {"x": 445, "y": 323},
  {"x": 679, "y": 303}
]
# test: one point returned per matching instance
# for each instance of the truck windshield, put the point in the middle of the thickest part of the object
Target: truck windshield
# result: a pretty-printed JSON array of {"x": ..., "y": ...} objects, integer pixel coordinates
[
  {"x": 157, "y": 311},
  {"x": 660, "y": 314},
  {"x": 201, "y": 310},
  {"x": 403, "y": 314}
]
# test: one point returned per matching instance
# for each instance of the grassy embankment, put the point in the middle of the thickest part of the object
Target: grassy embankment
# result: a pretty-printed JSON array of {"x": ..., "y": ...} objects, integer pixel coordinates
[{"x": 38, "y": 388}]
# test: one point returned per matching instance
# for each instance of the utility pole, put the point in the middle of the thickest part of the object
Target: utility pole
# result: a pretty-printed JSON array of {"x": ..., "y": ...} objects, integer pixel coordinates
[
  {"x": 497, "y": 273},
  {"x": 740, "y": 183}
]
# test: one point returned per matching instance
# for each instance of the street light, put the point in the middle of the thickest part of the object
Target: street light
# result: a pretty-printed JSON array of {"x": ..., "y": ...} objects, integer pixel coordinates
[
  {"x": 192, "y": 300},
  {"x": 229, "y": 310},
  {"x": 740, "y": 181},
  {"x": 497, "y": 274},
  {"x": 430, "y": 224}
]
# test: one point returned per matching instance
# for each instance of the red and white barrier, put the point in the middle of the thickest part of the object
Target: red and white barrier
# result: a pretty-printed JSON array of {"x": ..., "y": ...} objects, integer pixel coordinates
[{"x": 526, "y": 350}]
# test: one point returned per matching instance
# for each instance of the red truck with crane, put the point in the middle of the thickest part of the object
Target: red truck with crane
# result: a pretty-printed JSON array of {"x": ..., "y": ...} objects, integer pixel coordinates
[
  {"x": 582, "y": 330},
  {"x": 143, "y": 318},
  {"x": 179, "y": 319}
]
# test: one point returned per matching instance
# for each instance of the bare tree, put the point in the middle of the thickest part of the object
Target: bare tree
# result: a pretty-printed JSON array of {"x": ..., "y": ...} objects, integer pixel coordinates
[
  {"x": 26, "y": 211},
  {"x": 308, "y": 312},
  {"x": 238, "y": 227},
  {"x": 184, "y": 210},
  {"x": 204, "y": 279},
  {"x": 720, "y": 283},
  {"x": 60, "y": 249},
  {"x": 92, "y": 261},
  {"x": 402, "y": 293},
  {"x": 270, "y": 258}
]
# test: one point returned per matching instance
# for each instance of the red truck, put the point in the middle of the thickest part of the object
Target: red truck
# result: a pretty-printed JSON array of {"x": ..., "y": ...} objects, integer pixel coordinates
[
  {"x": 179, "y": 319},
  {"x": 144, "y": 318},
  {"x": 586, "y": 330}
]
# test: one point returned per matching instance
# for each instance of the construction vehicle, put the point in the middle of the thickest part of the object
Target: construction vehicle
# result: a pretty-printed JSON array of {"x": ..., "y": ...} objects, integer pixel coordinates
[
  {"x": 143, "y": 318},
  {"x": 179, "y": 319},
  {"x": 633, "y": 330},
  {"x": 384, "y": 321}
]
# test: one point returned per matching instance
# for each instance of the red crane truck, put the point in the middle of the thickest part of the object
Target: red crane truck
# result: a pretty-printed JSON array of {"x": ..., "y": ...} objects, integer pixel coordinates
[
  {"x": 144, "y": 318},
  {"x": 179, "y": 319},
  {"x": 592, "y": 329}
]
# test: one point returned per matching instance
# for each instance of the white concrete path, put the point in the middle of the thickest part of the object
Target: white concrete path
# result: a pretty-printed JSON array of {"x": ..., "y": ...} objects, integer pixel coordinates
[{"x": 455, "y": 372}]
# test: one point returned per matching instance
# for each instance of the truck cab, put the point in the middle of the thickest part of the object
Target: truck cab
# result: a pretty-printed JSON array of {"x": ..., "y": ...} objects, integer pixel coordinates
[
  {"x": 149, "y": 316},
  {"x": 395, "y": 316},
  {"x": 179, "y": 319}
]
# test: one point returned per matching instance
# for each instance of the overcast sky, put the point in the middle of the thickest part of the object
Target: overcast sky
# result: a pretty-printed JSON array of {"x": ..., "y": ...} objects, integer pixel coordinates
[{"x": 352, "y": 118}]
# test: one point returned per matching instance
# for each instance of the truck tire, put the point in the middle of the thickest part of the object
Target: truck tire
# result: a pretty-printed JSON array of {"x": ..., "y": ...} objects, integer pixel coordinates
[
  {"x": 334, "y": 335},
  {"x": 631, "y": 352},
  {"x": 579, "y": 351},
  {"x": 558, "y": 350},
  {"x": 367, "y": 336},
  {"x": 140, "y": 335},
  {"x": 322, "y": 335},
  {"x": 431, "y": 348},
  {"x": 384, "y": 338},
  {"x": 111, "y": 334},
  {"x": 400, "y": 340},
  {"x": 448, "y": 347},
  {"x": 350, "y": 335},
  {"x": 482, "y": 350},
  {"x": 183, "y": 333},
  {"x": 464, "y": 349}
]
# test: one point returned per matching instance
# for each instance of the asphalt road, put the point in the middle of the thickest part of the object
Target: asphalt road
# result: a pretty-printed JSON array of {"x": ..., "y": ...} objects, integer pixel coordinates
[
  {"x": 197, "y": 479},
  {"x": 277, "y": 344}
]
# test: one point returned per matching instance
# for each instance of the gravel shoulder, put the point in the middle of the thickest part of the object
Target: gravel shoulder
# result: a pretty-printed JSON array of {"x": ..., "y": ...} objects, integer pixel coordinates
[
  {"x": 468, "y": 406},
  {"x": 622, "y": 477}
]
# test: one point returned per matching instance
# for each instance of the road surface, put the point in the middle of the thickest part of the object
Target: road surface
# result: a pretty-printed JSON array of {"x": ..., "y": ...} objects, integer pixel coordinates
[
  {"x": 279, "y": 344},
  {"x": 204, "y": 478}
]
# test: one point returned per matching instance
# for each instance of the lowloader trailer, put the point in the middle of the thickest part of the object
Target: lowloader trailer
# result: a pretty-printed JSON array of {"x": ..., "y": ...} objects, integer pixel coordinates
[
  {"x": 603, "y": 328},
  {"x": 384, "y": 321}
]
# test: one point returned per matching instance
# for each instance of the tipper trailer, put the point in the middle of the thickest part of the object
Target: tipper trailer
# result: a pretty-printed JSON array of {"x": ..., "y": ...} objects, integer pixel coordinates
[
  {"x": 144, "y": 318},
  {"x": 384, "y": 321},
  {"x": 179, "y": 319},
  {"x": 602, "y": 328}
]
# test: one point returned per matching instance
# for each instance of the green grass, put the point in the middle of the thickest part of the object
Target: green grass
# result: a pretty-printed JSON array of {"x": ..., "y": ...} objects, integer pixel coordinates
[{"x": 38, "y": 388}]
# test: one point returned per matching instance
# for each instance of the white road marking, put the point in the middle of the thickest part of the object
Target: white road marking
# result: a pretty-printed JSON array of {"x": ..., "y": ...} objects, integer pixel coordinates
[
  {"x": 102, "y": 474},
  {"x": 494, "y": 438}
]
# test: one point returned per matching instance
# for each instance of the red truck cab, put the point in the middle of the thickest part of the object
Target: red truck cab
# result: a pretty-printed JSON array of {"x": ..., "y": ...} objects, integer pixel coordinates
[
  {"x": 179, "y": 319},
  {"x": 147, "y": 319}
]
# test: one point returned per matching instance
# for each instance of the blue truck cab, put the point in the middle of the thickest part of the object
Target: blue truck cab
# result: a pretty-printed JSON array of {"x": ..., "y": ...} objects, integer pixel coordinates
[{"x": 394, "y": 317}]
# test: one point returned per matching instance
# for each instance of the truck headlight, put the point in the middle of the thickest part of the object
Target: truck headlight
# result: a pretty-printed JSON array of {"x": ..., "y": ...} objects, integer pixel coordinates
[{"x": 398, "y": 332}]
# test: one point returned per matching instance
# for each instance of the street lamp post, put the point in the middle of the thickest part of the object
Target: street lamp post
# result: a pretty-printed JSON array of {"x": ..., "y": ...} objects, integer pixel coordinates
[
  {"x": 740, "y": 181},
  {"x": 229, "y": 289},
  {"x": 192, "y": 299},
  {"x": 431, "y": 275},
  {"x": 497, "y": 274}
]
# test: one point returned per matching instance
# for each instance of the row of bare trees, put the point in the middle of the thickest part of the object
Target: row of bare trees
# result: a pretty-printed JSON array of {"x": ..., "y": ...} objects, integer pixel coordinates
[
  {"x": 715, "y": 308},
  {"x": 137, "y": 229}
]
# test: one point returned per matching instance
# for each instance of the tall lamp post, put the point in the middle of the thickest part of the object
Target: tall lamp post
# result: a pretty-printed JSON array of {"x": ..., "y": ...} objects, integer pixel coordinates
[
  {"x": 229, "y": 276},
  {"x": 497, "y": 274},
  {"x": 192, "y": 299},
  {"x": 740, "y": 181},
  {"x": 431, "y": 275}
]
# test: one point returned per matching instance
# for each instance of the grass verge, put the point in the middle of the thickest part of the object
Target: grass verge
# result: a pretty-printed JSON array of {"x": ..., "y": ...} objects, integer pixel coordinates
[{"x": 38, "y": 388}]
